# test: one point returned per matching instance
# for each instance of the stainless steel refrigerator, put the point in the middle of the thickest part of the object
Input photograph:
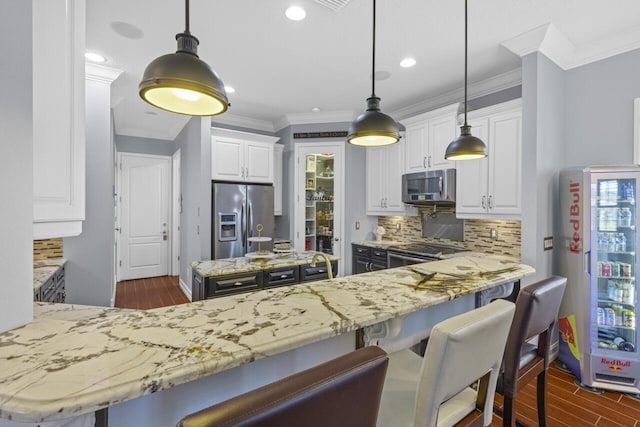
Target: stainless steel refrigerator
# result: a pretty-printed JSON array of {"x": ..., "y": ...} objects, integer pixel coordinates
[
  {"x": 236, "y": 211},
  {"x": 598, "y": 255}
]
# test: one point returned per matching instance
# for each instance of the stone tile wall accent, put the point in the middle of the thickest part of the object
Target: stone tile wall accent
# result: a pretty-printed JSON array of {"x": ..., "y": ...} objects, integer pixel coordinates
[
  {"x": 47, "y": 249},
  {"x": 476, "y": 234}
]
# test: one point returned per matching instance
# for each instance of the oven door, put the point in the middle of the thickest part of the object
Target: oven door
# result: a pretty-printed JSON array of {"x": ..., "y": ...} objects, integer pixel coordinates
[{"x": 398, "y": 259}]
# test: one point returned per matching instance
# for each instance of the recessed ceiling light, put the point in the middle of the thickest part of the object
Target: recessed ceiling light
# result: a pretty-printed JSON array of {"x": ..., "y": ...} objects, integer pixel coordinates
[
  {"x": 229, "y": 89},
  {"x": 407, "y": 62},
  {"x": 315, "y": 109},
  {"x": 295, "y": 13},
  {"x": 94, "y": 57}
]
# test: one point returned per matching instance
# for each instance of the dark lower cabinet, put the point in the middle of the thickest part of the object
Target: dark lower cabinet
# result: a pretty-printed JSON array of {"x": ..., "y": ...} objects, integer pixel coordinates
[
  {"x": 53, "y": 289},
  {"x": 219, "y": 286},
  {"x": 365, "y": 258}
]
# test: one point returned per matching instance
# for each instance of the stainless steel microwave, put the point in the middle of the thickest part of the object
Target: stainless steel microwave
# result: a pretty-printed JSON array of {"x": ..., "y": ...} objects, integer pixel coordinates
[{"x": 425, "y": 188}]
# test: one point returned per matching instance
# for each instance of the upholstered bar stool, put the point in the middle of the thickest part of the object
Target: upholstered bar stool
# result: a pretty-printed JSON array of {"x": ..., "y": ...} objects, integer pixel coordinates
[
  {"x": 342, "y": 392},
  {"x": 537, "y": 308},
  {"x": 435, "y": 390}
]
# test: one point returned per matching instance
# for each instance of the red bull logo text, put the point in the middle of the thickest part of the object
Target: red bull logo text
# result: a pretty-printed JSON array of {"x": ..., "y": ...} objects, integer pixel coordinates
[
  {"x": 615, "y": 364},
  {"x": 574, "y": 217}
]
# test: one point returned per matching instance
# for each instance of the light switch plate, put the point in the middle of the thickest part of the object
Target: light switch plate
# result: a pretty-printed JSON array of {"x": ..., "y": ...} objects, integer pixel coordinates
[{"x": 547, "y": 243}]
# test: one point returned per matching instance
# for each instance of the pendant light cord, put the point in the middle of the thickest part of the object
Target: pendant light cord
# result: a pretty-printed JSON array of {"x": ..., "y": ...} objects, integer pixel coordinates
[
  {"x": 465, "y": 62},
  {"x": 373, "y": 56},
  {"x": 186, "y": 16}
]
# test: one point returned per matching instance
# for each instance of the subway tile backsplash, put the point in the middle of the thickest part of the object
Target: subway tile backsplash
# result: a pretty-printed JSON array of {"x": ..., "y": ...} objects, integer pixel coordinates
[
  {"x": 47, "y": 249},
  {"x": 476, "y": 234}
]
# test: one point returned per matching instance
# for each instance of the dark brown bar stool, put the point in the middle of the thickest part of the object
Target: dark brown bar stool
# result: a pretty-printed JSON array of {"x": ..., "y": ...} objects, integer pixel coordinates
[
  {"x": 537, "y": 308},
  {"x": 342, "y": 392}
]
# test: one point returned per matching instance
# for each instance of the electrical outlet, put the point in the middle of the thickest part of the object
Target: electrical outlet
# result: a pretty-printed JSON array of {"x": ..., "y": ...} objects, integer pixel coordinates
[
  {"x": 547, "y": 243},
  {"x": 357, "y": 225},
  {"x": 493, "y": 234},
  {"x": 398, "y": 226}
]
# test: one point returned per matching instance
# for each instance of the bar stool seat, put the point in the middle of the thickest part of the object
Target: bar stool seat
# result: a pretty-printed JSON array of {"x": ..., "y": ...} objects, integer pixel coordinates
[{"x": 434, "y": 391}]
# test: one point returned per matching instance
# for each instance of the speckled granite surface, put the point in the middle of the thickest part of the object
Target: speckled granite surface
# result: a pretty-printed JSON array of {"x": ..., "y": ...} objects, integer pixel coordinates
[
  {"x": 384, "y": 244},
  {"x": 220, "y": 267},
  {"x": 44, "y": 269},
  {"x": 72, "y": 359}
]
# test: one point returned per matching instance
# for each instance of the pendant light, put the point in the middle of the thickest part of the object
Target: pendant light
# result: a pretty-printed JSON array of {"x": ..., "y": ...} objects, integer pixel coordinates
[
  {"x": 373, "y": 127},
  {"x": 466, "y": 146},
  {"x": 181, "y": 82}
]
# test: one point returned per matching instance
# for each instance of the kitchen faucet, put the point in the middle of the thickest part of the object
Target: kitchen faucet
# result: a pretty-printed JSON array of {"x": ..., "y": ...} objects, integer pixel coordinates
[{"x": 316, "y": 258}]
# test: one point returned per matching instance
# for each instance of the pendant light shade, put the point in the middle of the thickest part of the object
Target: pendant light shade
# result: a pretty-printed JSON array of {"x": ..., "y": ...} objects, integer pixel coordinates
[
  {"x": 466, "y": 146},
  {"x": 373, "y": 128},
  {"x": 182, "y": 83}
]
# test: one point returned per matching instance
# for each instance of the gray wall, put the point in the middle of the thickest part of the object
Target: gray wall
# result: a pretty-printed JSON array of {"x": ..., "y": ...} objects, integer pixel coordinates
[
  {"x": 89, "y": 273},
  {"x": 134, "y": 144},
  {"x": 355, "y": 207},
  {"x": 16, "y": 164},
  {"x": 542, "y": 157},
  {"x": 194, "y": 142},
  {"x": 599, "y": 111}
]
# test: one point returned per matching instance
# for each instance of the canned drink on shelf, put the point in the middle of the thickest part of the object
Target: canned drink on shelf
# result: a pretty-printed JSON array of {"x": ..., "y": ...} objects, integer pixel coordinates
[
  {"x": 606, "y": 269},
  {"x": 609, "y": 317},
  {"x": 625, "y": 269},
  {"x": 617, "y": 309},
  {"x": 615, "y": 269},
  {"x": 629, "y": 318},
  {"x": 600, "y": 316},
  {"x": 600, "y": 268}
]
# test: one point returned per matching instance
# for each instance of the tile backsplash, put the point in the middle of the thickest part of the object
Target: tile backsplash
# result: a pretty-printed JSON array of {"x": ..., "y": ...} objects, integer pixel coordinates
[
  {"x": 47, "y": 249},
  {"x": 476, "y": 234}
]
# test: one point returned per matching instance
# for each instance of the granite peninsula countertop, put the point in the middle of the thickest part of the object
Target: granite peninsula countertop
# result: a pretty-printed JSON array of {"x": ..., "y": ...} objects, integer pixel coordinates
[
  {"x": 44, "y": 269},
  {"x": 75, "y": 359},
  {"x": 220, "y": 267}
]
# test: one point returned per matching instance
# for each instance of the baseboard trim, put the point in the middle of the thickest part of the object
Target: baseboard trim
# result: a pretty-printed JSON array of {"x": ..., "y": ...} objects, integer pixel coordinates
[{"x": 185, "y": 289}]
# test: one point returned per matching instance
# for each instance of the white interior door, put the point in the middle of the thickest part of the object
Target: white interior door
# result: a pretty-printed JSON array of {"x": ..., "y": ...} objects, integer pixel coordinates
[
  {"x": 145, "y": 190},
  {"x": 319, "y": 197}
]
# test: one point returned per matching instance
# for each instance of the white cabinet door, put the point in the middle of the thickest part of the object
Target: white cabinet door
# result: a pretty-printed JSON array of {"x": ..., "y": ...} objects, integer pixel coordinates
[
  {"x": 227, "y": 159},
  {"x": 58, "y": 118},
  {"x": 241, "y": 156},
  {"x": 416, "y": 146},
  {"x": 258, "y": 162},
  {"x": 277, "y": 179},
  {"x": 394, "y": 159},
  {"x": 375, "y": 186},
  {"x": 441, "y": 131},
  {"x": 491, "y": 188},
  {"x": 471, "y": 177},
  {"x": 505, "y": 177}
]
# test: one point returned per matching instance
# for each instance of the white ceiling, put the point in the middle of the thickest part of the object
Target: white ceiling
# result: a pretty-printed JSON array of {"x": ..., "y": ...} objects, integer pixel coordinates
[{"x": 281, "y": 69}]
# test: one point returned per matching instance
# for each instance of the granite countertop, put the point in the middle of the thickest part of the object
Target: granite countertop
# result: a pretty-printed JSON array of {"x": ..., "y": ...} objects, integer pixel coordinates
[
  {"x": 384, "y": 244},
  {"x": 220, "y": 267},
  {"x": 44, "y": 269},
  {"x": 75, "y": 359}
]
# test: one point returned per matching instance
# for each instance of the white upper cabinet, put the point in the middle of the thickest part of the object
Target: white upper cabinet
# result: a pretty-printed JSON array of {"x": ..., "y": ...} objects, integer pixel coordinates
[
  {"x": 491, "y": 188},
  {"x": 427, "y": 137},
  {"x": 277, "y": 178},
  {"x": 58, "y": 118},
  {"x": 384, "y": 171},
  {"x": 242, "y": 156}
]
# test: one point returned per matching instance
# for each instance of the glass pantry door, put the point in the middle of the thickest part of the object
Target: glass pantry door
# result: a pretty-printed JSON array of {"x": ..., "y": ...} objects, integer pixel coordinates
[{"x": 614, "y": 238}]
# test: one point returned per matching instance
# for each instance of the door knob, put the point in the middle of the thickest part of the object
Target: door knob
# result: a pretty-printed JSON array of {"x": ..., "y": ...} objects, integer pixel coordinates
[{"x": 336, "y": 239}]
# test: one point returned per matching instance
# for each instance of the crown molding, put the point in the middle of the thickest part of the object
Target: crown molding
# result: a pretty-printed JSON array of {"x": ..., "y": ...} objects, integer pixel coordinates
[
  {"x": 241, "y": 121},
  {"x": 550, "y": 41},
  {"x": 319, "y": 117},
  {"x": 100, "y": 73},
  {"x": 475, "y": 90}
]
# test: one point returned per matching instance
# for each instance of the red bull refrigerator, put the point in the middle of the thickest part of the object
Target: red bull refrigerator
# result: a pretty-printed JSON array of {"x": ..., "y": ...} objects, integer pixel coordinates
[{"x": 597, "y": 323}]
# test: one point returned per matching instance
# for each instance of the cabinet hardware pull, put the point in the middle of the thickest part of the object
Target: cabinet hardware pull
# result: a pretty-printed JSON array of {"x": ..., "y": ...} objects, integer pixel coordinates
[
  {"x": 491, "y": 202},
  {"x": 424, "y": 162},
  {"x": 283, "y": 276},
  {"x": 429, "y": 161},
  {"x": 484, "y": 202},
  {"x": 321, "y": 271},
  {"x": 238, "y": 284}
]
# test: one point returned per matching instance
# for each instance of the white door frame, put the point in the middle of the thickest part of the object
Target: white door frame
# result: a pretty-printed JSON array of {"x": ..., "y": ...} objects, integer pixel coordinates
[
  {"x": 119, "y": 209},
  {"x": 300, "y": 150},
  {"x": 176, "y": 210}
]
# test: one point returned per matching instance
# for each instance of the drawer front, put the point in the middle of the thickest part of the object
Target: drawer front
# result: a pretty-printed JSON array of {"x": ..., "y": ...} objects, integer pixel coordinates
[
  {"x": 281, "y": 276},
  {"x": 47, "y": 290},
  {"x": 379, "y": 256},
  {"x": 232, "y": 284},
  {"x": 361, "y": 251},
  {"x": 319, "y": 272}
]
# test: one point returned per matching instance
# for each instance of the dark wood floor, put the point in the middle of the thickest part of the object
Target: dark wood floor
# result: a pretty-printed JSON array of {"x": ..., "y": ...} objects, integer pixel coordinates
[
  {"x": 152, "y": 292},
  {"x": 568, "y": 404}
]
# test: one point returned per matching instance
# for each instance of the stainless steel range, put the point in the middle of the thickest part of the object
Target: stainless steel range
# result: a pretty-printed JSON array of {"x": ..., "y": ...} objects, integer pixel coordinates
[{"x": 415, "y": 253}]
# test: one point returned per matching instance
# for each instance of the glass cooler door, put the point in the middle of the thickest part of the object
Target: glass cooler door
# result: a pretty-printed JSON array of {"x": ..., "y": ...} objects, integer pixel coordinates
[{"x": 613, "y": 304}]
